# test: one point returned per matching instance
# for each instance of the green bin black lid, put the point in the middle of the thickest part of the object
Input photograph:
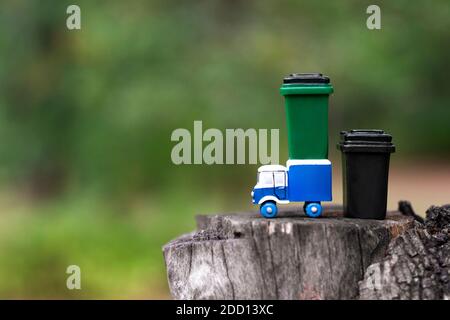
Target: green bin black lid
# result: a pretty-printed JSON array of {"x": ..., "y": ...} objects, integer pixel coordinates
[
  {"x": 366, "y": 140},
  {"x": 306, "y": 78}
]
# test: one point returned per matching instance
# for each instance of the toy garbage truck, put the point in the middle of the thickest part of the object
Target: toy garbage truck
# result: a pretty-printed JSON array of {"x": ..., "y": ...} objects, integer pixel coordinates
[
  {"x": 307, "y": 175},
  {"x": 307, "y": 181}
]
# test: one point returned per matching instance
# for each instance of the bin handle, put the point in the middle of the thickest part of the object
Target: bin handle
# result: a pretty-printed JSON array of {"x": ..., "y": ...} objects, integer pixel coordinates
[{"x": 367, "y": 131}]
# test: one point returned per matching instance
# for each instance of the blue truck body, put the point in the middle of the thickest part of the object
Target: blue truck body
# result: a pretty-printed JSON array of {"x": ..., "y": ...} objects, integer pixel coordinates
[{"x": 306, "y": 181}]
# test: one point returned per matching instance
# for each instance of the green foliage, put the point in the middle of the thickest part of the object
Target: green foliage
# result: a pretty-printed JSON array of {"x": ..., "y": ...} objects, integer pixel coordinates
[
  {"x": 98, "y": 105},
  {"x": 118, "y": 249}
]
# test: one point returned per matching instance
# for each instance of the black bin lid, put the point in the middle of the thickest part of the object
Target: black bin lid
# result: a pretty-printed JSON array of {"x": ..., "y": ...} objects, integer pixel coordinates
[
  {"x": 306, "y": 78},
  {"x": 366, "y": 140}
]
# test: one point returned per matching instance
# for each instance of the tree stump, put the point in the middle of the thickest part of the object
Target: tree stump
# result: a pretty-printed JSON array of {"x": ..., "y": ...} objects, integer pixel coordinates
[{"x": 244, "y": 256}]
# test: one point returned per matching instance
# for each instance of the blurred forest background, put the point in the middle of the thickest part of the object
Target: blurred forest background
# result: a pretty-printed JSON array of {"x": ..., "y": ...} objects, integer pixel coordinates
[{"x": 86, "y": 117}]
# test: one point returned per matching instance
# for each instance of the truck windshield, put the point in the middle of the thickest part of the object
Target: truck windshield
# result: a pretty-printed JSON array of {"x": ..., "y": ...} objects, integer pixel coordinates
[{"x": 265, "y": 179}]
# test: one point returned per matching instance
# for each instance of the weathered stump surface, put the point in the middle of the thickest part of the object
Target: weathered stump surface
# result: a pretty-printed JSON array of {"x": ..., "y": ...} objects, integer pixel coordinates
[
  {"x": 243, "y": 256},
  {"x": 417, "y": 264}
]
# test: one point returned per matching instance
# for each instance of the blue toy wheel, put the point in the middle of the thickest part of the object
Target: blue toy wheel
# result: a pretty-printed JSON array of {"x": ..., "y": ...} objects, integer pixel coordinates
[
  {"x": 268, "y": 209},
  {"x": 313, "y": 209}
]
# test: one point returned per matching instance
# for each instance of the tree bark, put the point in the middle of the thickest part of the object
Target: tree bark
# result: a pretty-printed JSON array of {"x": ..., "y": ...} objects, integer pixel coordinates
[
  {"x": 417, "y": 264},
  {"x": 244, "y": 256}
]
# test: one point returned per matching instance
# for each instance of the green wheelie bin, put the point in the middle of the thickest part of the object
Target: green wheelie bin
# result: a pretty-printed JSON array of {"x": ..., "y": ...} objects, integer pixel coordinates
[{"x": 306, "y": 100}]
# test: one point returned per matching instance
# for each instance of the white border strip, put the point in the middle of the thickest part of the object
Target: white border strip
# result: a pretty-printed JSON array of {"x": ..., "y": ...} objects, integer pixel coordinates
[{"x": 323, "y": 162}]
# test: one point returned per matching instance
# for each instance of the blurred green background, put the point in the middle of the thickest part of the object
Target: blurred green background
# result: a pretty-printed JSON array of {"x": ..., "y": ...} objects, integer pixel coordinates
[{"x": 86, "y": 117}]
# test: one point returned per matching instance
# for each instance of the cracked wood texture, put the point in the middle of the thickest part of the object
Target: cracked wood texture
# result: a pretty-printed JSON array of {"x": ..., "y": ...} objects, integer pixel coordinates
[
  {"x": 417, "y": 263},
  {"x": 244, "y": 256}
]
